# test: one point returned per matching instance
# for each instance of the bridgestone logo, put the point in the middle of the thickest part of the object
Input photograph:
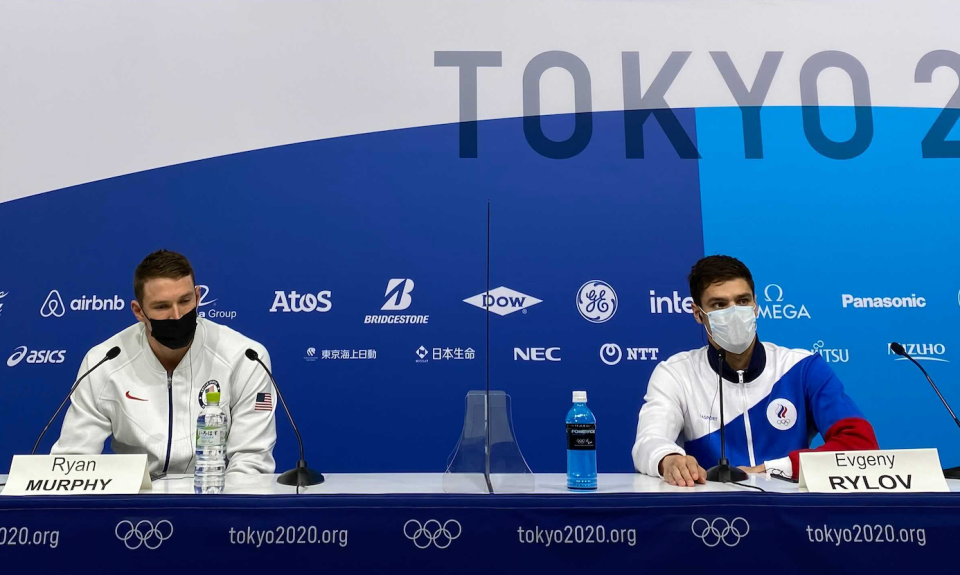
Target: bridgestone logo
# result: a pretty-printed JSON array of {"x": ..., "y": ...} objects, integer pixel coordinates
[{"x": 396, "y": 319}]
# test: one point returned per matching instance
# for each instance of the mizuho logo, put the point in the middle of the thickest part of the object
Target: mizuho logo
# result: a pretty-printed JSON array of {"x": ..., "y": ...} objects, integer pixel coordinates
[
  {"x": 596, "y": 301},
  {"x": 36, "y": 356},
  {"x": 432, "y": 533},
  {"x": 296, "y": 303},
  {"x": 398, "y": 294},
  {"x": 143, "y": 533},
  {"x": 713, "y": 532}
]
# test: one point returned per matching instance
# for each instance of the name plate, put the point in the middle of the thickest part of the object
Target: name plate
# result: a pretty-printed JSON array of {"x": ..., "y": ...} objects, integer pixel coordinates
[
  {"x": 883, "y": 471},
  {"x": 77, "y": 475}
]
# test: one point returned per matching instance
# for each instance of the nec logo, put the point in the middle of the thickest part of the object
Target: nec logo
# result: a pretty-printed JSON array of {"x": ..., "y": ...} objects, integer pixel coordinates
[{"x": 536, "y": 354}]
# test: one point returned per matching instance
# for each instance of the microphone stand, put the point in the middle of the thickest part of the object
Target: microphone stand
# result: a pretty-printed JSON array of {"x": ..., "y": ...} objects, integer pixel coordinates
[
  {"x": 722, "y": 472},
  {"x": 951, "y": 472}
]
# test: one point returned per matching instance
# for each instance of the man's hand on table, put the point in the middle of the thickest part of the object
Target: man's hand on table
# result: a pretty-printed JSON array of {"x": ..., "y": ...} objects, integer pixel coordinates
[
  {"x": 755, "y": 469},
  {"x": 682, "y": 470}
]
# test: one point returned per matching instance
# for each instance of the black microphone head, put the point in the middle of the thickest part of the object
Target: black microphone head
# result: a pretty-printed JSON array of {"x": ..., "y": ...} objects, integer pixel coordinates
[
  {"x": 898, "y": 349},
  {"x": 114, "y": 352},
  {"x": 252, "y": 355}
]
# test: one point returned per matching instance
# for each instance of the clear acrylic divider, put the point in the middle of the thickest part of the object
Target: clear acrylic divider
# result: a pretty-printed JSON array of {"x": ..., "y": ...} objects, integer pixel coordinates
[{"x": 467, "y": 470}]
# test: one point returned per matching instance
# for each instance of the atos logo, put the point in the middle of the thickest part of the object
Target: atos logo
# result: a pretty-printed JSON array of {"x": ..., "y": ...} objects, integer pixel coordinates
[
  {"x": 294, "y": 302},
  {"x": 503, "y": 301},
  {"x": 36, "y": 356},
  {"x": 774, "y": 309},
  {"x": 536, "y": 354}
]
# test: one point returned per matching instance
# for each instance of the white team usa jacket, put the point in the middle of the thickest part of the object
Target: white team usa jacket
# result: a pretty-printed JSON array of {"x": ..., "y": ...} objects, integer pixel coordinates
[
  {"x": 772, "y": 410},
  {"x": 146, "y": 410}
]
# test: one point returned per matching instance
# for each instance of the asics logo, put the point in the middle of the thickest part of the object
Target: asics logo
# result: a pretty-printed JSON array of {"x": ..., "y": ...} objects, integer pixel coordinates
[
  {"x": 432, "y": 533},
  {"x": 143, "y": 533},
  {"x": 713, "y": 532}
]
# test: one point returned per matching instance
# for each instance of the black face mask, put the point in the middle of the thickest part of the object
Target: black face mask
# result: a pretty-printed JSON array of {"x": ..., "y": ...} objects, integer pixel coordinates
[{"x": 175, "y": 333}]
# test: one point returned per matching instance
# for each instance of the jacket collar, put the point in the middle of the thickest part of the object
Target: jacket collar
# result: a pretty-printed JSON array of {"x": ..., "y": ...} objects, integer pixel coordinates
[
  {"x": 755, "y": 368},
  {"x": 193, "y": 357}
]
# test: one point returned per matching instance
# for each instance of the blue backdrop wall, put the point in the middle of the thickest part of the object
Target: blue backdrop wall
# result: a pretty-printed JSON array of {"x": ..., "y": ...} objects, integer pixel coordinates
[{"x": 352, "y": 217}]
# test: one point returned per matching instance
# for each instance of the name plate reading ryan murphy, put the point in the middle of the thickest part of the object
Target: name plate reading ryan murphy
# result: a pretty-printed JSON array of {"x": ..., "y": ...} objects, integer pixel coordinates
[
  {"x": 77, "y": 475},
  {"x": 883, "y": 471}
]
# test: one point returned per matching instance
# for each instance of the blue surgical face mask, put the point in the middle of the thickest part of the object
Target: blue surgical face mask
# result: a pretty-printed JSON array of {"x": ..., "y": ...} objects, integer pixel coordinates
[{"x": 733, "y": 328}]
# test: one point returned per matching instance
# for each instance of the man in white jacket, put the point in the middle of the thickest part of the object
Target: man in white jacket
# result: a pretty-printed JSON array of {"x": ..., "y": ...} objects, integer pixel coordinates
[{"x": 149, "y": 397}]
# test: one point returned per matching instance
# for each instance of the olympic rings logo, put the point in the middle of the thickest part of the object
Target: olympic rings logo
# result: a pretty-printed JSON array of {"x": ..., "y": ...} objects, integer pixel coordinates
[
  {"x": 143, "y": 533},
  {"x": 713, "y": 532},
  {"x": 432, "y": 533}
]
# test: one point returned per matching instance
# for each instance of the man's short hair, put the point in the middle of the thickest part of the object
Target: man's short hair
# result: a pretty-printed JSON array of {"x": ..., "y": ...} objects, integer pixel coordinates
[
  {"x": 716, "y": 269},
  {"x": 160, "y": 264}
]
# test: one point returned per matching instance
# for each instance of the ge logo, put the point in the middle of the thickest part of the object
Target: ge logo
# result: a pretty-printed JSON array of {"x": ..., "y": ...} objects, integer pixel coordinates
[
  {"x": 432, "y": 533},
  {"x": 713, "y": 532},
  {"x": 143, "y": 533},
  {"x": 597, "y": 301},
  {"x": 610, "y": 353}
]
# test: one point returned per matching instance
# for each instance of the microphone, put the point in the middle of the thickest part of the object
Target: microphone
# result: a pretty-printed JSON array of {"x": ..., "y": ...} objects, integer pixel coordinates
[
  {"x": 114, "y": 352},
  {"x": 953, "y": 472},
  {"x": 722, "y": 472},
  {"x": 301, "y": 475}
]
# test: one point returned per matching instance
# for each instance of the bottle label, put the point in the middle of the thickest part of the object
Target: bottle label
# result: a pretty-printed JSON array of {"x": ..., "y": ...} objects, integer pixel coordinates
[
  {"x": 211, "y": 436},
  {"x": 582, "y": 436}
]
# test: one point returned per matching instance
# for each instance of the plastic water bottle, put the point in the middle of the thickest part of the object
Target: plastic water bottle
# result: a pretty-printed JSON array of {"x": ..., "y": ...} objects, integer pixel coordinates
[
  {"x": 581, "y": 444},
  {"x": 211, "y": 467}
]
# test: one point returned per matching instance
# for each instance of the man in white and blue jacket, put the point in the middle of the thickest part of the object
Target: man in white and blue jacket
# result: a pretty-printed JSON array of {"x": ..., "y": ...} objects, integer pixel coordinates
[{"x": 775, "y": 399}]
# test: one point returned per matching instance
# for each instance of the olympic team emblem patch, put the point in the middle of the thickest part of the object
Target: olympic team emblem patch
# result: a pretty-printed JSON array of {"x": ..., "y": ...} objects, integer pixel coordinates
[
  {"x": 782, "y": 414},
  {"x": 212, "y": 385}
]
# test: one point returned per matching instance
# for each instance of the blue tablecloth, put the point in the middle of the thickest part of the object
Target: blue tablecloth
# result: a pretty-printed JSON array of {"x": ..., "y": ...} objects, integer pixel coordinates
[{"x": 628, "y": 533}]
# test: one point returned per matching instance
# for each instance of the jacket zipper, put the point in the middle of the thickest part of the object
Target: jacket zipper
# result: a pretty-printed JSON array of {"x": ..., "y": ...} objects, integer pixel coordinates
[
  {"x": 746, "y": 419},
  {"x": 166, "y": 463}
]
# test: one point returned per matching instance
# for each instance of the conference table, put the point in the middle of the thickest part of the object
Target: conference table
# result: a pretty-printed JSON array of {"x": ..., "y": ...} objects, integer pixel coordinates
[{"x": 374, "y": 523}]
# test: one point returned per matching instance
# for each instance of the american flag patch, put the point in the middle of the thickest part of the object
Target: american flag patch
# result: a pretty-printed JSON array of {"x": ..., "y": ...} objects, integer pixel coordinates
[{"x": 264, "y": 402}]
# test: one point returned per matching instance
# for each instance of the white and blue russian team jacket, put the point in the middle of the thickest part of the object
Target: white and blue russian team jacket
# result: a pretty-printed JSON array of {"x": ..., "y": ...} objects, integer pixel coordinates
[{"x": 772, "y": 410}]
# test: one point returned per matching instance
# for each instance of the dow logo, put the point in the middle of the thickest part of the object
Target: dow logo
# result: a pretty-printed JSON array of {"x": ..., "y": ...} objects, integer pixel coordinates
[{"x": 503, "y": 301}]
